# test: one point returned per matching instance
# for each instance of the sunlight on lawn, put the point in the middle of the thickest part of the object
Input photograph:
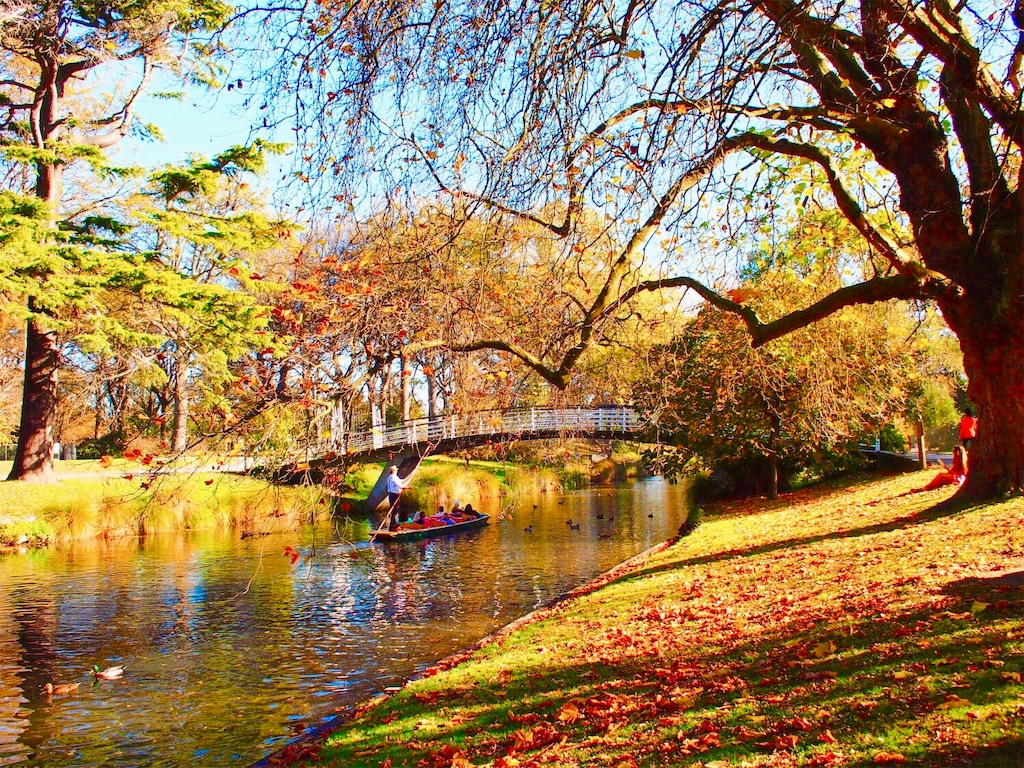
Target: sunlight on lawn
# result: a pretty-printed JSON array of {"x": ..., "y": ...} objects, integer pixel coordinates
[{"x": 846, "y": 625}]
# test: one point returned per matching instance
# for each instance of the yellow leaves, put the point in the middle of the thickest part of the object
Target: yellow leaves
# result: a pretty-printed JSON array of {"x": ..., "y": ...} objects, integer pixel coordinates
[
  {"x": 634, "y": 54},
  {"x": 903, "y": 675},
  {"x": 106, "y": 461},
  {"x": 821, "y": 650},
  {"x": 953, "y": 701},
  {"x": 978, "y": 607}
]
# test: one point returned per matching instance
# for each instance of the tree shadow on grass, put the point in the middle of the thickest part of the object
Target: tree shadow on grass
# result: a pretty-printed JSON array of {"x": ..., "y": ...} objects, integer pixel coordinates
[
  {"x": 941, "y": 510},
  {"x": 909, "y": 681}
]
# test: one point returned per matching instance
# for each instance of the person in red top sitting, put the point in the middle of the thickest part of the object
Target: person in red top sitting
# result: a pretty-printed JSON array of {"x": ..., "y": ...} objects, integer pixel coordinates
[
  {"x": 955, "y": 475},
  {"x": 968, "y": 428}
]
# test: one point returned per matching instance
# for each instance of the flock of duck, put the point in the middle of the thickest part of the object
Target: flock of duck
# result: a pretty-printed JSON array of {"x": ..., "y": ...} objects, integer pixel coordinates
[
  {"x": 64, "y": 689},
  {"x": 574, "y": 526}
]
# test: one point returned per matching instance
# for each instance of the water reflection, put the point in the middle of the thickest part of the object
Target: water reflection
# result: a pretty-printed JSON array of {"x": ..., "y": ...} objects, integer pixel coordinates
[{"x": 231, "y": 649}]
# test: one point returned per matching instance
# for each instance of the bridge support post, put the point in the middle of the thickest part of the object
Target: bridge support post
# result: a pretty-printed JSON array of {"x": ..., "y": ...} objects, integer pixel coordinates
[{"x": 406, "y": 463}]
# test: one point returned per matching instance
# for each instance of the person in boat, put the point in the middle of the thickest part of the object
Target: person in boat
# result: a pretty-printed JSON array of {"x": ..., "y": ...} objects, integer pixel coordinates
[
  {"x": 415, "y": 523},
  {"x": 469, "y": 513},
  {"x": 395, "y": 487},
  {"x": 434, "y": 520},
  {"x": 457, "y": 509},
  {"x": 955, "y": 475}
]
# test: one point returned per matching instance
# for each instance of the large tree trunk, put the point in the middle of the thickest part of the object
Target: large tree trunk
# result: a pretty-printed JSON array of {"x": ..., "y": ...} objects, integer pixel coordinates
[
  {"x": 33, "y": 461},
  {"x": 180, "y": 409},
  {"x": 993, "y": 350}
]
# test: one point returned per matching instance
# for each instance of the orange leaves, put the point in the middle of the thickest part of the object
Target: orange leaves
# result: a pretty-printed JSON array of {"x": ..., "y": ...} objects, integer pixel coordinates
[
  {"x": 106, "y": 461},
  {"x": 744, "y": 734},
  {"x": 739, "y": 295},
  {"x": 528, "y": 739},
  {"x": 801, "y": 724},
  {"x": 785, "y": 742},
  {"x": 888, "y": 758},
  {"x": 447, "y": 756},
  {"x": 569, "y": 713},
  {"x": 293, "y": 554},
  {"x": 529, "y": 717}
]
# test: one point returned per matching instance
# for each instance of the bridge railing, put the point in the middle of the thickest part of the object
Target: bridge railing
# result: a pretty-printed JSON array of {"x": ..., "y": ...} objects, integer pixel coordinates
[{"x": 511, "y": 423}]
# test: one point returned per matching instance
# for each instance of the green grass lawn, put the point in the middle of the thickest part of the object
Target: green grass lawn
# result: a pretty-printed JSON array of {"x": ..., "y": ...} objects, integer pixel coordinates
[{"x": 848, "y": 625}]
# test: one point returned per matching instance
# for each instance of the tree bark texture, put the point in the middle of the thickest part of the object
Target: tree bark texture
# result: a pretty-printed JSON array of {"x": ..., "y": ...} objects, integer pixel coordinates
[
  {"x": 993, "y": 349},
  {"x": 33, "y": 461},
  {"x": 179, "y": 442}
]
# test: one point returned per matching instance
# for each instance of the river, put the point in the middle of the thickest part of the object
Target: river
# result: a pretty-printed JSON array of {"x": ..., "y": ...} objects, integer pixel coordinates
[{"x": 231, "y": 649}]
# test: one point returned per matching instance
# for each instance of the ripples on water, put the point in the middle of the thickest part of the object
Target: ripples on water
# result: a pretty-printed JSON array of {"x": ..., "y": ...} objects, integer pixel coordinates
[{"x": 231, "y": 649}]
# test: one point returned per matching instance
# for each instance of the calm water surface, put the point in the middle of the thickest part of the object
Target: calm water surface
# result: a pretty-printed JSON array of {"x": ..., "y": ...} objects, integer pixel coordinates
[{"x": 231, "y": 650}]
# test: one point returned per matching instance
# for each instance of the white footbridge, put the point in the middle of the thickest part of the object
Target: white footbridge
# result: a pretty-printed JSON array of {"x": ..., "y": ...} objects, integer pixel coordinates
[
  {"x": 465, "y": 430},
  {"x": 404, "y": 445}
]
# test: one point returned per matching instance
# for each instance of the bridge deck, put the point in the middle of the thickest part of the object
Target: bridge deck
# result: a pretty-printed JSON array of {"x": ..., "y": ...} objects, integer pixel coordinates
[{"x": 459, "y": 431}]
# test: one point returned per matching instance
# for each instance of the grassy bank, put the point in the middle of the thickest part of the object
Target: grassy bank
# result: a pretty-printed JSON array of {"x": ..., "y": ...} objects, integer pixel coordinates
[
  {"x": 123, "y": 499},
  {"x": 847, "y": 625},
  {"x": 442, "y": 481}
]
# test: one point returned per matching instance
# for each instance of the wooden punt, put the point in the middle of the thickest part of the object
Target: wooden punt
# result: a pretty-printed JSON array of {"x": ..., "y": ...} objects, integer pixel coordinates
[{"x": 438, "y": 530}]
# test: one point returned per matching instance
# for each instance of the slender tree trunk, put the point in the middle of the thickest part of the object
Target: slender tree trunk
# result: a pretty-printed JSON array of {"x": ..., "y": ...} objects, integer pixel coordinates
[
  {"x": 97, "y": 422},
  {"x": 179, "y": 440},
  {"x": 33, "y": 461},
  {"x": 406, "y": 377},
  {"x": 431, "y": 395},
  {"x": 773, "y": 453},
  {"x": 773, "y": 476}
]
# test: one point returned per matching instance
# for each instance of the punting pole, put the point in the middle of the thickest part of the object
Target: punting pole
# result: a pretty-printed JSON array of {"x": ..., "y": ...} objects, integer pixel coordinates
[{"x": 391, "y": 509}]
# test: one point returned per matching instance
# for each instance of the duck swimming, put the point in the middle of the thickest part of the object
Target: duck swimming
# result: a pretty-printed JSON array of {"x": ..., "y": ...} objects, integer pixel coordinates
[
  {"x": 60, "y": 690},
  {"x": 110, "y": 673}
]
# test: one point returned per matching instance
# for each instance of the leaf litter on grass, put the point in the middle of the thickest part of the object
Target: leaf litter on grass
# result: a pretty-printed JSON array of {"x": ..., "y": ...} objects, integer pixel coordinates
[{"x": 851, "y": 625}]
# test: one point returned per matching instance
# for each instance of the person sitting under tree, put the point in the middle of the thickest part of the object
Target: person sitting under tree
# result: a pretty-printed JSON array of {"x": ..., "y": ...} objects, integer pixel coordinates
[{"x": 955, "y": 475}]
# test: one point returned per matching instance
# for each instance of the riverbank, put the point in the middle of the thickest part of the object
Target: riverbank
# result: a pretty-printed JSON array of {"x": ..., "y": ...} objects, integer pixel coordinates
[
  {"x": 849, "y": 624},
  {"x": 123, "y": 498},
  {"x": 115, "y": 498}
]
